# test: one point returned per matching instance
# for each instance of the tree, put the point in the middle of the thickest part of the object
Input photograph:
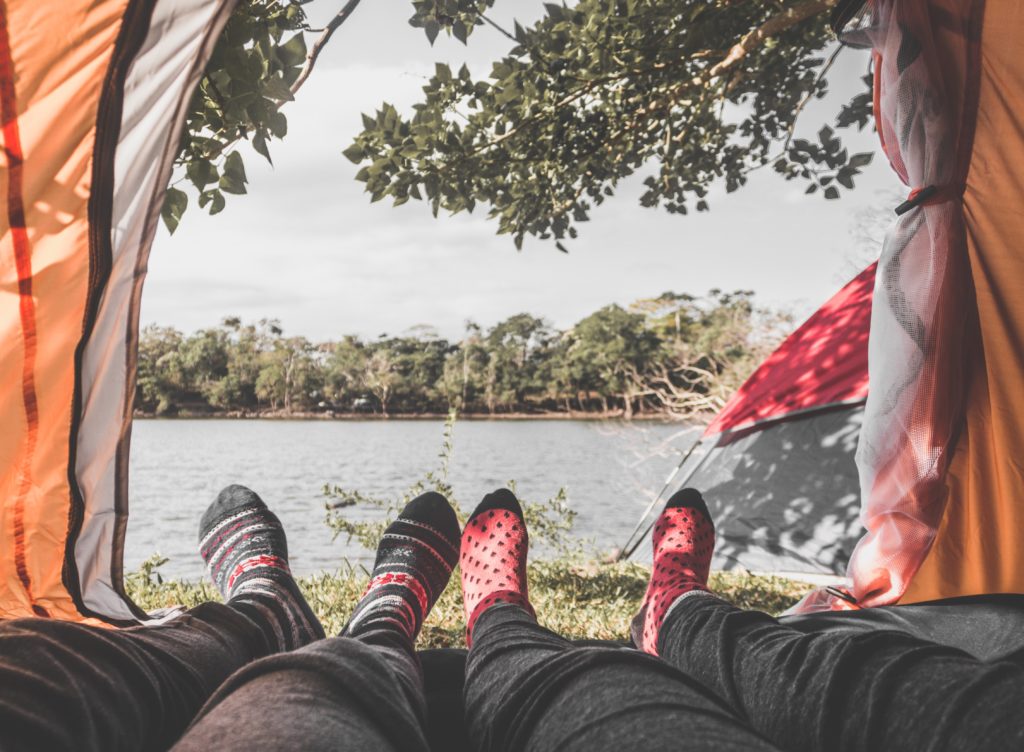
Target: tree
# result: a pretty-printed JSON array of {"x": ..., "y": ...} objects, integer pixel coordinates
[
  {"x": 584, "y": 98},
  {"x": 290, "y": 377},
  {"x": 610, "y": 349},
  {"x": 204, "y": 357},
  {"x": 343, "y": 371},
  {"x": 514, "y": 348},
  {"x": 709, "y": 346},
  {"x": 676, "y": 353},
  {"x": 591, "y": 94},
  {"x": 380, "y": 376},
  {"x": 464, "y": 378},
  {"x": 161, "y": 382},
  {"x": 259, "y": 63}
]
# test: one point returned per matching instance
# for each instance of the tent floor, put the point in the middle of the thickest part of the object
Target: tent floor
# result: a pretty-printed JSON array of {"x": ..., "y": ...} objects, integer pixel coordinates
[{"x": 987, "y": 627}]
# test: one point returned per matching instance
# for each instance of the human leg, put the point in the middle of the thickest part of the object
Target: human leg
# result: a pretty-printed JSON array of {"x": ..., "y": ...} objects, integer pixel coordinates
[
  {"x": 362, "y": 690},
  {"x": 869, "y": 691},
  {"x": 74, "y": 686},
  {"x": 529, "y": 689},
  {"x": 872, "y": 691}
]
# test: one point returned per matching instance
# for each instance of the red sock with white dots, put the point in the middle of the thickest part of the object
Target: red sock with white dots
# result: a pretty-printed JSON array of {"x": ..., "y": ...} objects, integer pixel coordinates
[
  {"x": 684, "y": 541},
  {"x": 493, "y": 557}
]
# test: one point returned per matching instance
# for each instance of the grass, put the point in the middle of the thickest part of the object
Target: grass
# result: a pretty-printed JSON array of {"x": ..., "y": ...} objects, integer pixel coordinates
[{"x": 576, "y": 598}]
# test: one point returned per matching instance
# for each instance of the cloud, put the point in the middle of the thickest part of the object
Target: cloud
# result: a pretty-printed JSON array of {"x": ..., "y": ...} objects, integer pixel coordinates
[{"x": 307, "y": 246}]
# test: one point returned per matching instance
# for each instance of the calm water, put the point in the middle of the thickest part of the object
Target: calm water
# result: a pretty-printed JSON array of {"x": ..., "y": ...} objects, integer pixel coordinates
[{"x": 609, "y": 469}]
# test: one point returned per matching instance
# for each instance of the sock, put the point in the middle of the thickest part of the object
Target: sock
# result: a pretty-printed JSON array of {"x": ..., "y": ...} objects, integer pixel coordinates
[
  {"x": 414, "y": 562},
  {"x": 493, "y": 557},
  {"x": 684, "y": 540},
  {"x": 246, "y": 554}
]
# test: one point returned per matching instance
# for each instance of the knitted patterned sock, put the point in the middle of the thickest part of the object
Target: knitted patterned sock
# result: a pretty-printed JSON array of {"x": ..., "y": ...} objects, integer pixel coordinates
[
  {"x": 246, "y": 554},
  {"x": 493, "y": 557},
  {"x": 414, "y": 562},
  {"x": 684, "y": 540}
]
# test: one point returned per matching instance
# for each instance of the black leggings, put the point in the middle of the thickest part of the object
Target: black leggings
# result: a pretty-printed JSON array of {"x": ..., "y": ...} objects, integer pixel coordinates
[
  {"x": 878, "y": 690},
  {"x": 341, "y": 693},
  {"x": 66, "y": 686},
  {"x": 529, "y": 689},
  {"x": 737, "y": 680},
  {"x": 526, "y": 689}
]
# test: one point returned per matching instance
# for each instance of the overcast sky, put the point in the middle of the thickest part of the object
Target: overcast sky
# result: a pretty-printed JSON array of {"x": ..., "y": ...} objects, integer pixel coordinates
[{"x": 307, "y": 247}]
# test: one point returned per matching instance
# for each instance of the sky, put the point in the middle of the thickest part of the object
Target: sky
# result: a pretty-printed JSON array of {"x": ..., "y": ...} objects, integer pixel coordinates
[{"x": 307, "y": 247}]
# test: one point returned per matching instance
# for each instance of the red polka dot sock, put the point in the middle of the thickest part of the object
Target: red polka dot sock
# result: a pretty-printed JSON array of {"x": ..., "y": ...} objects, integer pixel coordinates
[
  {"x": 493, "y": 557},
  {"x": 684, "y": 540}
]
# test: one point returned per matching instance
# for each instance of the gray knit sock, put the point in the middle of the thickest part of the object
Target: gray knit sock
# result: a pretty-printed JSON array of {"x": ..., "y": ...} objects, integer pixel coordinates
[
  {"x": 415, "y": 559},
  {"x": 246, "y": 554}
]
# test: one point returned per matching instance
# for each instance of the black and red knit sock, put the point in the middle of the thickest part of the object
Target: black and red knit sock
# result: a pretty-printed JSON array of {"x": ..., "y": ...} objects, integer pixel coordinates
[
  {"x": 246, "y": 554},
  {"x": 414, "y": 562},
  {"x": 493, "y": 557},
  {"x": 684, "y": 540}
]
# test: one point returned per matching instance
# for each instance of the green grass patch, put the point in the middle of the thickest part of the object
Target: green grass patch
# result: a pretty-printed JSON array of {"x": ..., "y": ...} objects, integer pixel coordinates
[{"x": 577, "y": 599}]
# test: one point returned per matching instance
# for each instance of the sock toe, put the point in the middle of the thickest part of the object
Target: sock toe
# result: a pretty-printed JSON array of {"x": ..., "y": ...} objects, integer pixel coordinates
[
  {"x": 502, "y": 498},
  {"x": 231, "y": 500},
  {"x": 433, "y": 509},
  {"x": 688, "y": 498}
]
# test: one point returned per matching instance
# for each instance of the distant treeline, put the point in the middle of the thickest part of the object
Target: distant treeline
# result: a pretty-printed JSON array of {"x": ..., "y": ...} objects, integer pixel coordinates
[{"x": 676, "y": 354}]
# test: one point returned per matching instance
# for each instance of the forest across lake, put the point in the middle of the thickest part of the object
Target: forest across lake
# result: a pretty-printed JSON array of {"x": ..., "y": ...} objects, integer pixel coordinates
[{"x": 675, "y": 355}]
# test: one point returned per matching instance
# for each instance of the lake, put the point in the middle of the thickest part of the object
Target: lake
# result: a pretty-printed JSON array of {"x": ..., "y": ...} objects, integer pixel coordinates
[{"x": 610, "y": 470}]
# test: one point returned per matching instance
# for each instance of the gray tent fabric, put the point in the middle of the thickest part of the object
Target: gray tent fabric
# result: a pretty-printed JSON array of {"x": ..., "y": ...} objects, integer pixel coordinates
[{"x": 784, "y": 496}]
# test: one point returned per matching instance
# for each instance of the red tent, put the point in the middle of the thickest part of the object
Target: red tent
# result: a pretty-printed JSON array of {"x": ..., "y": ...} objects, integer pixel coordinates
[{"x": 776, "y": 465}]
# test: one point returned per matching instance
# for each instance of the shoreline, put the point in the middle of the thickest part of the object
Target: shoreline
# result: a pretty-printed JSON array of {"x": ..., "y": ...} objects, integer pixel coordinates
[{"x": 580, "y": 416}]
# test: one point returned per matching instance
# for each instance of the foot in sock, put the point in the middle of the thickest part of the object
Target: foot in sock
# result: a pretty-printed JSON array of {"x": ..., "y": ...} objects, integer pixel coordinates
[
  {"x": 493, "y": 557},
  {"x": 246, "y": 554},
  {"x": 414, "y": 562},
  {"x": 684, "y": 540}
]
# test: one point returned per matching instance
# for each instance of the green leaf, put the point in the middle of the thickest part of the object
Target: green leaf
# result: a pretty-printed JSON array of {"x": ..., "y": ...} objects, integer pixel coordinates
[
  {"x": 232, "y": 177},
  {"x": 201, "y": 172},
  {"x": 431, "y": 29},
  {"x": 293, "y": 52},
  {"x": 259, "y": 143},
  {"x": 218, "y": 202},
  {"x": 354, "y": 153},
  {"x": 175, "y": 204},
  {"x": 831, "y": 193},
  {"x": 862, "y": 159},
  {"x": 276, "y": 89}
]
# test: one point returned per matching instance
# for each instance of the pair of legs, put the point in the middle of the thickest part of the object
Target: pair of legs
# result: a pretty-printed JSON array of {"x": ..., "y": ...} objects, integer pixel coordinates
[
  {"x": 726, "y": 679},
  {"x": 525, "y": 688}
]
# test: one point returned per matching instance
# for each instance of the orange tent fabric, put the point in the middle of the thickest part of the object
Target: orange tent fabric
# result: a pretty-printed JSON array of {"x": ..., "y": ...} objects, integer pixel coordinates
[
  {"x": 978, "y": 548},
  {"x": 92, "y": 96}
]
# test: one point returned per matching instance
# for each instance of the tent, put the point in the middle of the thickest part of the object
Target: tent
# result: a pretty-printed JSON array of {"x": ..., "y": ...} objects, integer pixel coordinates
[
  {"x": 776, "y": 465},
  {"x": 940, "y": 431},
  {"x": 93, "y": 96}
]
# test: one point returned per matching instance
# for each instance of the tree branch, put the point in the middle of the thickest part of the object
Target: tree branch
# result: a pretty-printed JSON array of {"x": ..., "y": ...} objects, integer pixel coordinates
[
  {"x": 770, "y": 28},
  {"x": 499, "y": 28},
  {"x": 321, "y": 42}
]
